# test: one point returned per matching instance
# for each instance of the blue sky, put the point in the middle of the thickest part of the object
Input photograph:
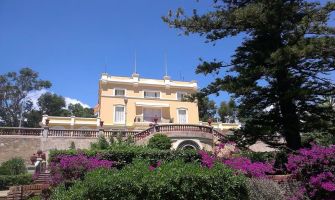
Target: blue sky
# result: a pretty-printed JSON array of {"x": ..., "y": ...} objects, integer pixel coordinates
[{"x": 71, "y": 42}]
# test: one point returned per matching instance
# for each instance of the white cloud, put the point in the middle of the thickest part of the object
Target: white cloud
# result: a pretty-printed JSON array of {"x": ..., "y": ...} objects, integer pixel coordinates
[
  {"x": 69, "y": 100},
  {"x": 34, "y": 95}
]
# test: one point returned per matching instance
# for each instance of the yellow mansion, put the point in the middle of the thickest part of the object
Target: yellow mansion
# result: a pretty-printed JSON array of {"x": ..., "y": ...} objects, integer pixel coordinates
[{"x": 134, "y": 102}]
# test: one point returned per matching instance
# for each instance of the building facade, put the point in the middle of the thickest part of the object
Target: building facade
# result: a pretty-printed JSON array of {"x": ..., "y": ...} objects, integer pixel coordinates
[{"x": 135, "y": 102}]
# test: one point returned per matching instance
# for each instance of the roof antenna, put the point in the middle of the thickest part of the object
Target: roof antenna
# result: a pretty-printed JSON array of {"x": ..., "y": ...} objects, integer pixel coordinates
[
  {"x": 165, "y": 63},
  {"x": 105, "y": 64},
  {"x": 135, "y": 64}
]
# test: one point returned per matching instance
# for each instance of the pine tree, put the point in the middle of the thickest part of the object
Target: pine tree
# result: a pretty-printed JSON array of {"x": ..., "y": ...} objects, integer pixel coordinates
[{"x": 280, "y": 72}]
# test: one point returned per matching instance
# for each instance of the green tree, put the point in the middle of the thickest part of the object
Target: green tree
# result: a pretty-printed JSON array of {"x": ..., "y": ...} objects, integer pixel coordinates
[
  {"x": 280, "y": 70},
  {"x": 33, "y": 118},
  {"x": 79, "y": 111},
  {"x": 160, "y": 141},
  {"x": 14, "y": 88},
  {"x": 207, "y": 108},
  {"x": 227, "y": 111},
  {"x": 52, "y": 104}
]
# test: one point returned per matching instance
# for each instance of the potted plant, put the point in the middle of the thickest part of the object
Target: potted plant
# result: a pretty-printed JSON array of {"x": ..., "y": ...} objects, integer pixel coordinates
[
  {"x": 39, "y": 153},
  {"x": 33, "y": 159},
  {"x": 209, "y": 121}
]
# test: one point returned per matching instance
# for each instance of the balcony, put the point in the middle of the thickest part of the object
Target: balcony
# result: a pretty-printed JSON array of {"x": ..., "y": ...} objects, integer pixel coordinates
[{"x": 140, "y": 119}]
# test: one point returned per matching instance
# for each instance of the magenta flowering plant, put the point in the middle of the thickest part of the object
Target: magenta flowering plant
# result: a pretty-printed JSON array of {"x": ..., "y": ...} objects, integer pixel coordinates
[
  {"x": 69, "y": 168},
  {"x": 242, "y": 164},
  {"x": 155, "y": 165},
  {"x": 315, "y": 167},
  {"x": 206, "y": 159},
  {"x": 250, "y": 169}
]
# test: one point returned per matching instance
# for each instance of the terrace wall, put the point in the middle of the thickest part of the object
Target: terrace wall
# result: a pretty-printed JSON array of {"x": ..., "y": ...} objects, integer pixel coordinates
[{"x": 25, "y": 146}]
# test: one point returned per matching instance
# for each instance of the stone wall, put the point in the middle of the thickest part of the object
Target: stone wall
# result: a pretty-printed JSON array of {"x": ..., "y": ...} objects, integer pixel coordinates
[{"x": 25, "y": 146}]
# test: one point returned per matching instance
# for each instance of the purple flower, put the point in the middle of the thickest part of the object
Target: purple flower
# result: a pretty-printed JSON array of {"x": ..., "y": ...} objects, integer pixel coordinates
[
  {"x": 68, "y": 168},
  {"x": 206, "y": 159}
]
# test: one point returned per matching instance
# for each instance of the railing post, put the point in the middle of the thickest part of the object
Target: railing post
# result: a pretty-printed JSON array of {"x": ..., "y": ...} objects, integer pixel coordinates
[
  {"x": 45, "y": 131},
  {"x": 101, "y": 131}
]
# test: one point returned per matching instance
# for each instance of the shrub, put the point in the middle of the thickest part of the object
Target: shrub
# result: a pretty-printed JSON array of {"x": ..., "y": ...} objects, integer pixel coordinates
[
  {"x": 9, "y": 180},
  {"x": 159, "y": 141},
  {"x": 172, "y": 180},
  {"x": 315, "y": 167},
  {"x": 72, "y": 145},
  {"x": 242, "y": 164},
  {"x": 250, "y": 169},
  {"x": 14, "y": 166},
  {"x": 70, "y": 168},
  {"x": 101, "y": 144},
  {"x": 124, "y": 154},
  {"x": 259, "y": 156}
]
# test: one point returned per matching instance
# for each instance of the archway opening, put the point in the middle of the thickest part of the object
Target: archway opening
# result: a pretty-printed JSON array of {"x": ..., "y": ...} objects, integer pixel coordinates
[{"x": 188, "y": 144}]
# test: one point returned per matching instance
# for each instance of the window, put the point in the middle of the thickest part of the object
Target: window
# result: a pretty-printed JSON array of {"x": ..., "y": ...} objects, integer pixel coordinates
[
  {"x": 119, "y": 114},
  {"x": 181, "y": 95},
  {"x": 151, "y": 94},
  {"x": 182, "y": 116},
  {"x": 119, "y": 92}
]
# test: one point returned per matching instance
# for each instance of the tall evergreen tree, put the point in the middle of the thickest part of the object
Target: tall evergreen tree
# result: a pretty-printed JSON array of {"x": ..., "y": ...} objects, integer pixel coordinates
[{"x": 279, "y": 74}]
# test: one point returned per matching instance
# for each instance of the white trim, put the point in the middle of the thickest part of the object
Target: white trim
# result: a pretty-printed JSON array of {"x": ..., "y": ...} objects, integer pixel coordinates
[
  {"x": 178, "y": 114},
  {"x": 125, "y": 92},
  {"x": 146, "y": 90},
  {"x": 149, "y": 104},
  {"x": 124, "y": 113}
]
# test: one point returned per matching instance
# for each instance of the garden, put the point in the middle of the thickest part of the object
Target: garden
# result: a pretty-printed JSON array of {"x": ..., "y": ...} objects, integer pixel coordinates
[{"x": 121, "y": 170}]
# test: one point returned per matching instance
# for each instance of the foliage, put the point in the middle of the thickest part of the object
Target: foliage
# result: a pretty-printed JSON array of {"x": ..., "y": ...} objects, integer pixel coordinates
[
  {"x": 52, "y": 104},
  {"x": 130, "y": 140},
  {"x": 79, "y": 111},
  {"x": 125, "y": 154},
  {"x": 264, "y": 189},
  {"x": 250, "y": 169},
  {"x": 67, "y": 169},
  {"x": 279, "y": 74},
  {"x": 315, "y": 167},
  {"x": 72, "y": 145},
  {"x": 321, "y": 138},
  {"x": 9, "y": 180},
  {"x": 258, "y": 156},
  {"x": 172, "y": 180},
  {"x": 207, "y": 108},
  {"x": 101, "y": 144},
  {"x": 14, "y": 166},
  {"x": 227, "y": 111},
  {"x": 14, "y": 88},
  {"x": 111, "y": 140},
  {"x": 242, "y": 164},
  {"x": 160, "y": 141}
]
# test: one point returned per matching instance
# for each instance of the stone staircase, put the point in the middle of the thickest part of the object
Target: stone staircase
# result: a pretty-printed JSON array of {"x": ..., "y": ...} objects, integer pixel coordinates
[
  {"x": 43, "y": 178},
  {"x": 24, "y": 192}
]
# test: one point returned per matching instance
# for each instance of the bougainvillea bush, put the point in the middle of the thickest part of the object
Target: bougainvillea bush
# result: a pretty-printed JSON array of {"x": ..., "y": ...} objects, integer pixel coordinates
[
  {"x": 68, "y": 168},
  {"x": 169, "y": 180},
  {"x": 315, "y": 167},
  {"x": 243, "y": 164}
]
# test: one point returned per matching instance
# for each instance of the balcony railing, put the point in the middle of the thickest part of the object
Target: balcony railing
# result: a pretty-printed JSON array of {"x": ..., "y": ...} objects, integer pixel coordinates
[{"x": 20, "y": 131}]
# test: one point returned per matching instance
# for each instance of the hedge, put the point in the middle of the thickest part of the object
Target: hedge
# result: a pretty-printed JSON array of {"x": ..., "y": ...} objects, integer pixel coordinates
[
  {"x": 14, "y": 166},
  {"x": 125, "y": 154},
  {"x": 9, "y": 180},
  {"x": 171, "y": 180}
]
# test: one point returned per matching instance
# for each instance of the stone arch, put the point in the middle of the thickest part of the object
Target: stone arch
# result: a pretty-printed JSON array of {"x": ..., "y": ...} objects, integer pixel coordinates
[{"x": 188, "y": 144}]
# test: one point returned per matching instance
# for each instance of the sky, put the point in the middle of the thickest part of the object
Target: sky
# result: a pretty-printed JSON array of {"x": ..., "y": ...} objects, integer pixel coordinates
[{"x": 71, "y": 42}]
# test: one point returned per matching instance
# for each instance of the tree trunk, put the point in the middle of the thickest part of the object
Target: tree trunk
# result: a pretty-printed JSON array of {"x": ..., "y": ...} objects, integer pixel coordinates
[
  {"x": 289, "y": 119},
  {"x": 290, "y": 124}
]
